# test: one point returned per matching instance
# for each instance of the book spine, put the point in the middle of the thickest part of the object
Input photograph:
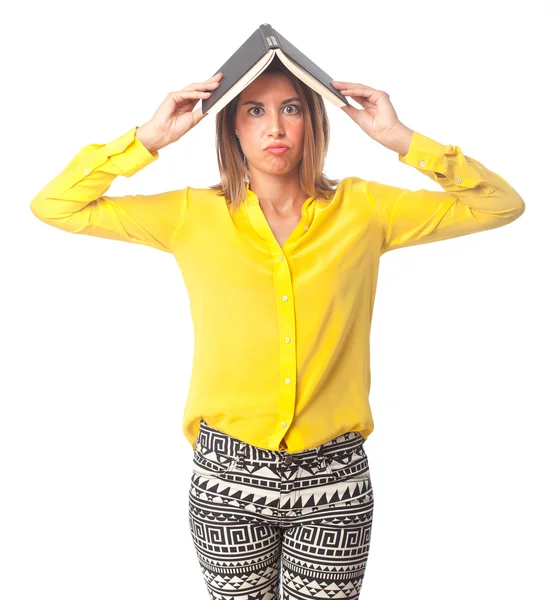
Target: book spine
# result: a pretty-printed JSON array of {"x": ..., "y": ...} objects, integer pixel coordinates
[{"x": 270, "y": 39}]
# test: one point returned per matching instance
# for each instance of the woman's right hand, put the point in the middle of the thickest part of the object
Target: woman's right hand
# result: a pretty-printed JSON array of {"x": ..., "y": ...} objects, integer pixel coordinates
[{"x": 175, "y": 116}]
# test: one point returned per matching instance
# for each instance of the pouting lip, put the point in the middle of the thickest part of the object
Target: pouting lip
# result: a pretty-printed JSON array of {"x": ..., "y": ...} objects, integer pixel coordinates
[{"x": 276, "y": 146}]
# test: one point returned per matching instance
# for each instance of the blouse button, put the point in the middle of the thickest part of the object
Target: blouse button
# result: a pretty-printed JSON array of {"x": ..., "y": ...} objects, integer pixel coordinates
[
  {"x": 284, "y": 423},
  {"x": 287, "y": 380},
  {"x": 458, "y": 179},
  {"x": 120, "y": 148},
  {"x": 285, "y": 298},
  {"x": 422, "y": 163},
  {"x": 306, "y": 227},
  {"x": 281, "y": 257},
  {"x": 287, "y": 340},
  {"x": 86, "y": 171}
]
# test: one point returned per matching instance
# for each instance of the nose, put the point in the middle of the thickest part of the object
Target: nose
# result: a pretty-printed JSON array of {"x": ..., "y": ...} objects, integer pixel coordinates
[{"x": 276, "y": 127}]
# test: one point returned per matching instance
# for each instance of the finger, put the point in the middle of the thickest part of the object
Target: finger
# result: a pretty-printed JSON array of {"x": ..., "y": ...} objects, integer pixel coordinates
[
  {"x": 201, "y": 86},
  {"x": 351, "y": 83},
  {"x": 346, "y": 85},
  {"x": 359, "y": 94},
  {"x": 186, "y": 94},
  {"x": 188, "y": 100},
  {"x": 212, "y": 81},
  {"x": 362, "y": 101},
  {"x": 367, "y": 100},
  {"x": 355, "y": 91},
  {"x": 198, "y": 116},
  {"x": 351, "y": 111}
]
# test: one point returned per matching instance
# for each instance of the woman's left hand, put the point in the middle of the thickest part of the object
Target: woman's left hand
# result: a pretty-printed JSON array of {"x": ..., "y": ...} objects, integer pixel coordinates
[{"x": 378, "y": 117}]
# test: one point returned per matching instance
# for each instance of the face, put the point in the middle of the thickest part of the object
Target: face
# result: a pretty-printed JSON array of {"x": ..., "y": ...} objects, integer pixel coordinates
[{"x": 263, "y": 117}]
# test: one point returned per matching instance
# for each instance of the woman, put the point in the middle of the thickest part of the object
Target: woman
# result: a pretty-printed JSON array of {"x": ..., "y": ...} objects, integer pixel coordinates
[{"x": 281, "y": 266}]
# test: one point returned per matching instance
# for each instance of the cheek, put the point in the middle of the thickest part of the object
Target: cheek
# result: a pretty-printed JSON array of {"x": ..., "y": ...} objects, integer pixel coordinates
[
  {"x": 299, "y": 130},
  {"x": 254, "y": 132},
  {"x": 297, "y": 134}
]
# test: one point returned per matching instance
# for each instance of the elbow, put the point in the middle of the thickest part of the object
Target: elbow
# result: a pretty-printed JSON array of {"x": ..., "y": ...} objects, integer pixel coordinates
[
  {"x": 42, "y": 207},
  {"x": 506, "y": 204},
  {"x": 518, "y": 206},
  {"x": 509, "y": 203},
  {"x": 36, "y": 209}
]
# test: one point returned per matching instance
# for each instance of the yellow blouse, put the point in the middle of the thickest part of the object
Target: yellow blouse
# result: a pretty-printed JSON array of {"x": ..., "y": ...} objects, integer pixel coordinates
[{"x": 281, "y": 357}]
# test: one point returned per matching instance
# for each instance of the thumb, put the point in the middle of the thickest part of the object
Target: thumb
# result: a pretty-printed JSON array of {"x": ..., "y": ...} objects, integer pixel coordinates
[
  {"x": 198, "y": 116},
  {"x": 351, "y": 111}
]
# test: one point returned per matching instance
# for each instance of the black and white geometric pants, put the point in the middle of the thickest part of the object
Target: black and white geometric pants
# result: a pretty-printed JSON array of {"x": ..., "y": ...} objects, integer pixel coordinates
[{"x": 266, "y": 521}]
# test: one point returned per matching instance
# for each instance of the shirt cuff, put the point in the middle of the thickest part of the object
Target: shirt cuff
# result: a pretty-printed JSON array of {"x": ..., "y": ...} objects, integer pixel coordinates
[
  {"x": 128, "y": 154},
  {"x": 445, "y": 164}
]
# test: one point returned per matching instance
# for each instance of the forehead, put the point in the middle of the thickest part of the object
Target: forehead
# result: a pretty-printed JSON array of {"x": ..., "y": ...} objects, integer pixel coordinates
[{"x": 269, "y": 85}]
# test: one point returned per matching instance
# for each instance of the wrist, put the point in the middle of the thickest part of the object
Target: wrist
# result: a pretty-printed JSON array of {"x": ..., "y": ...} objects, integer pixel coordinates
[
  {"x": 397, "y": 139},
  {"x": 150, "y": 138}
]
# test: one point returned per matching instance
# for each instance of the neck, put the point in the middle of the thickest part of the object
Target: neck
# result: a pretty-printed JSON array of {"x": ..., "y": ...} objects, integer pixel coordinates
[{"x": 280, "y": 194}]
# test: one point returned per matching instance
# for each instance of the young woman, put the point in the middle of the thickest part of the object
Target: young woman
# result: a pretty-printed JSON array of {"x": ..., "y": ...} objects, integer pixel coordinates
[{"x": 281, "y": 264}]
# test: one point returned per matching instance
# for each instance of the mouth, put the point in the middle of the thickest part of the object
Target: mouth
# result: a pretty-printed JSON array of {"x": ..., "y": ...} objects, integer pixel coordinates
[{"x": 276, "y": 149}]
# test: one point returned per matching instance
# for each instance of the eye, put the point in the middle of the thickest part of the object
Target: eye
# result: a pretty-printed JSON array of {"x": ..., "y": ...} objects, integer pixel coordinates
[
  {"x": 291, "y": 113},
  {"x": 295, "y": 106}
]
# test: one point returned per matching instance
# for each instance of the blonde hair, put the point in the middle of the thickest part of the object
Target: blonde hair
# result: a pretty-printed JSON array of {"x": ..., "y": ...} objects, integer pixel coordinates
[{"x": 232, "y": 162}]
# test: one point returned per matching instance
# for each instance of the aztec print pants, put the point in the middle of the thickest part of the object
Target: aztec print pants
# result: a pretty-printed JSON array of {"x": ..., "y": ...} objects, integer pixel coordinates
[{"x": 263, "y": 520}]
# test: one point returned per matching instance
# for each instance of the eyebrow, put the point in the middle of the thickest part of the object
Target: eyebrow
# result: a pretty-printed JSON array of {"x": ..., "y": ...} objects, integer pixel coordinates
[{"x": 261, "y": 103}]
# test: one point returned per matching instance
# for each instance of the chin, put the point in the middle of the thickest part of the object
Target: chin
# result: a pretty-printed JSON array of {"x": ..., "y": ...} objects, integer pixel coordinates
[
  {"x": 280, "y": 171},
  {"x": 282, "y": 166}
]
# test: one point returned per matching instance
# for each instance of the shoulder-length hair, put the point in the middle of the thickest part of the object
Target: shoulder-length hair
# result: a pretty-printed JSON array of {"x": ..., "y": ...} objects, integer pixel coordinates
[{"x": 232, "y": 162}]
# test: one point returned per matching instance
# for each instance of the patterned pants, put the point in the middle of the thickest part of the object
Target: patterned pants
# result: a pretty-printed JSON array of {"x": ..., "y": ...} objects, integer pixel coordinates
[{"x": 263, "y": 521}]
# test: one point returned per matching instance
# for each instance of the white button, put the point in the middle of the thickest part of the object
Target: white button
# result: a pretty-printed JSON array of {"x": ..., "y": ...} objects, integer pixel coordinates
[
  {"x": 120, "y": 148},
  {"x": 284, "y": 423},
  {"x": 86, "y": 171},
  {"x": 422, "y": 163},
  {"x": 287, "y": 340},
  {"x": 285, "y": 298},
  {"x": 458, "y": 179},
  {"x": 281, "y": 257},
  {"x": 306, "y": 227},
  {"x": 287, "y": 380}
]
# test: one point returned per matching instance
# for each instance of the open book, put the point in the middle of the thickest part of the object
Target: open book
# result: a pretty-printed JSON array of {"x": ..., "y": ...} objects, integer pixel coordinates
[{"x": 254, "y": 56}]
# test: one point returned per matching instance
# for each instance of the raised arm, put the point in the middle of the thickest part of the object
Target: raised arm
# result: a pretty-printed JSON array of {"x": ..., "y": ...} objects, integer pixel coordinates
[
  {"x": 474, "y": 198},
  {"x": 74, "y": 200}
]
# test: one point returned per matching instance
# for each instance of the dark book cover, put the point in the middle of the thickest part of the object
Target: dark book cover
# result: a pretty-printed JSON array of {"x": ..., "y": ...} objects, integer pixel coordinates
[{"x": 263, "y": 40}]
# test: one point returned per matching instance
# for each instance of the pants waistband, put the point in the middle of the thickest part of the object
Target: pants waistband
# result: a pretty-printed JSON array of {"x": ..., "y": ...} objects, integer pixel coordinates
[{"x": 221, "y": 443}]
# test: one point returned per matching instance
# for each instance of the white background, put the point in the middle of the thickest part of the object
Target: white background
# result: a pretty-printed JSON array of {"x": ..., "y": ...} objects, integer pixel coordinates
[{"x": 96, "y": 335}]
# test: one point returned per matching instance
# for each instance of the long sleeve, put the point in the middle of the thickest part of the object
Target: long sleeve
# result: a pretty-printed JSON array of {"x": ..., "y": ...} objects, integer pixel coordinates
[
  {"x": 74, "y": 200},
  {"x": 474, "y": 199}
]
